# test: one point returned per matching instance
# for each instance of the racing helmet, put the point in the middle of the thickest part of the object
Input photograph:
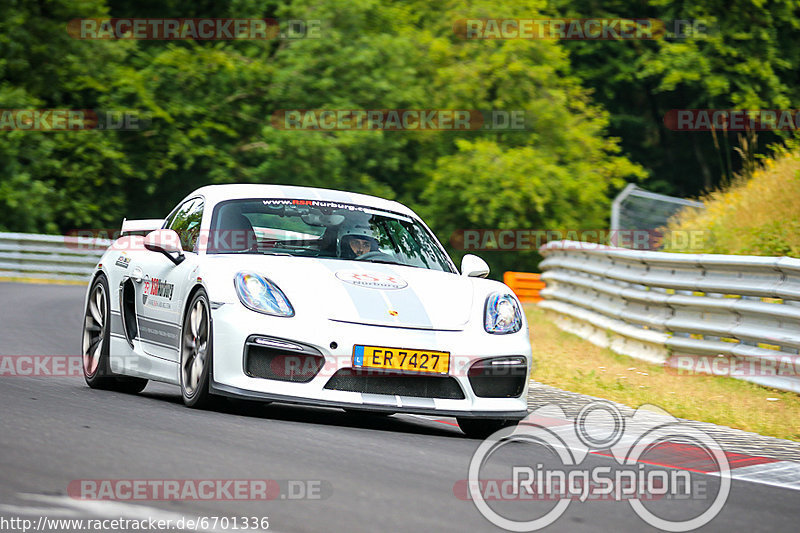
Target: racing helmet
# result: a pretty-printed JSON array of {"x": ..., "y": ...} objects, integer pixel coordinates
[{"x": 353, "y": 232}]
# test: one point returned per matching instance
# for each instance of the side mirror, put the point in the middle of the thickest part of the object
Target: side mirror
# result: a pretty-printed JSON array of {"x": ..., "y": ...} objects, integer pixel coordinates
[
  {"x": 474, "y": 267},
  {"x": 167, "y": 242}
]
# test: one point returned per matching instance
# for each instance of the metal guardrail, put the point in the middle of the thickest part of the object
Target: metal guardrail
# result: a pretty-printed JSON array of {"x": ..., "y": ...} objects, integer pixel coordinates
[
  {"x": 649, "y": 305},
  {"x": 658, "y": 306},
  {"x": 53, "y": 257}
]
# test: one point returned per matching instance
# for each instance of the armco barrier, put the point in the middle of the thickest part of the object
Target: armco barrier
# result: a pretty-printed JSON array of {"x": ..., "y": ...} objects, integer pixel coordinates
[
  {"x": 53, "y": 257},
  {"x": 525, "y": 285},
  {"x": 656, "y": 306}
]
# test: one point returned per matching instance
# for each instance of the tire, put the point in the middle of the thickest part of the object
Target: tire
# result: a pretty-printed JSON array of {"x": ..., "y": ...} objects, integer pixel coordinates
[
  {"x": 96, "y": 344},
  {"x": 480, "y": 428},
  {"x": 196, "y": 356}
]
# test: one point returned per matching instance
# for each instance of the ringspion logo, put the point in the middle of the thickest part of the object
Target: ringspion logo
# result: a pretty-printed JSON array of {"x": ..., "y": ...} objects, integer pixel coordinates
[{"x": 599, "y": 428}]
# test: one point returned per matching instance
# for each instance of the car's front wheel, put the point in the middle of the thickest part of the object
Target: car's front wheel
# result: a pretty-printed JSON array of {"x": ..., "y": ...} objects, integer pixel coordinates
[
  {"x": 95, "y": 346},
  {"x": 196, "y": 354},
  {"x": 480, "y": 428}
]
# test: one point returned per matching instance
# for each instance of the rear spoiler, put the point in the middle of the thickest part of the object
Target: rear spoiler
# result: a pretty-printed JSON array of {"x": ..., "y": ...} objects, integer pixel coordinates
[{"x": 141, "y": 226}]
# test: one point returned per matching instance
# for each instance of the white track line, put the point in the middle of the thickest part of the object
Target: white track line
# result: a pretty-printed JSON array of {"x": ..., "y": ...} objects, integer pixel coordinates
[{"x": 783, "y": 474}]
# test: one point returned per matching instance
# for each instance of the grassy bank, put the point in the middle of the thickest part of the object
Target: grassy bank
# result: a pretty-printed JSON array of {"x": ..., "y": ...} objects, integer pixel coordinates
[
  {"x": 756, "y": 216},
  {"x": 566, "y": 361}
]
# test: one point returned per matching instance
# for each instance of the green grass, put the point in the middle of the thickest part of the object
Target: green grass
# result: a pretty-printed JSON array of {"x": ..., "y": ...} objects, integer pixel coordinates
[
  {"x": 568, "y": 362},
  {"x": 755, "y": 216}
]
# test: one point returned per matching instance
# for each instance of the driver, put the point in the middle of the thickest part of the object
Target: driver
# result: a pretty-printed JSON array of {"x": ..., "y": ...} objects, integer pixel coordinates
[
  {"x": 359, "y": 246},
  {"x": 356, "y": 241}
]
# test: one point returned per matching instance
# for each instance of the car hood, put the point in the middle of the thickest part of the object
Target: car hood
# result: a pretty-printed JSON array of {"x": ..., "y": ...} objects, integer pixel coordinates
[{"x": 361, "y": 292}]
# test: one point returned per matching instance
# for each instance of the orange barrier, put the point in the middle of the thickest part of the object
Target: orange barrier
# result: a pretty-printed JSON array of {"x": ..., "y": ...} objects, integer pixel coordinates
[{"x": 525, "y": 285}]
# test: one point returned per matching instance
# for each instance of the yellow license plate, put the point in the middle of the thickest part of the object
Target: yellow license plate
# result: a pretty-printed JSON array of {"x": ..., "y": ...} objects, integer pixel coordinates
[{"x": 401, "y": 359}]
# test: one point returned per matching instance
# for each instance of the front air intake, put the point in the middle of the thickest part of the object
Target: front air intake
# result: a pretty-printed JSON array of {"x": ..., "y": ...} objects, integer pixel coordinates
[
  {"x": 282, "y": 363},
  {"x": 378, "y": 382},
  {"x": 498, "y": 377}
]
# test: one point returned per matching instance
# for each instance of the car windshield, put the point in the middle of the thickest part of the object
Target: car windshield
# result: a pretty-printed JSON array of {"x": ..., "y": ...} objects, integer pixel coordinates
[{"x": 323, "y": 229}]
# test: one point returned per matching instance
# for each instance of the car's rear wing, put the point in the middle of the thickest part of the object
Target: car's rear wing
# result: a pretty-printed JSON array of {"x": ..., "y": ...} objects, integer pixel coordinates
[{"x": 141, "y": 226}]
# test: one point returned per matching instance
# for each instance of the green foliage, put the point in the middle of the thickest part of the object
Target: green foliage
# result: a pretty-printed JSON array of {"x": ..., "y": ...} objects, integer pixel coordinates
[
  {"x": 593, "y": 109},
  {"x": 743, "y": 55}
]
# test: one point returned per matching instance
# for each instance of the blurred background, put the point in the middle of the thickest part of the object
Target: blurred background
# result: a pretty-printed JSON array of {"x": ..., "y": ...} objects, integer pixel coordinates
[{"x": 594, "y": 109}]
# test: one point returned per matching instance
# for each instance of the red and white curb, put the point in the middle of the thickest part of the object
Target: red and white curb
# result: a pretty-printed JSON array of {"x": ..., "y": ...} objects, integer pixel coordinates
[{"x": 744, "y": 467}]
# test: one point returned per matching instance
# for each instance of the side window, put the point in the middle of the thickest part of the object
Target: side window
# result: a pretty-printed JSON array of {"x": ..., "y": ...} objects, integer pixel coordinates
[
  {"x": 193, "y": 225},
  {"x": 186, "y": 223},
  {"x": 170, "y": 218}
]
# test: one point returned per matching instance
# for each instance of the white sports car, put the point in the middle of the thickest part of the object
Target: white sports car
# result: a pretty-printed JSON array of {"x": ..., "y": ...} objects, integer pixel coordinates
[{"x": 311, "y": 296}]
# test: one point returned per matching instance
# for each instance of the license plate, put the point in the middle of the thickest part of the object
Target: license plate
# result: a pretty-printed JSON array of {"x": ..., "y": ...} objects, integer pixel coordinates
[{"x": 401, "y": 359}]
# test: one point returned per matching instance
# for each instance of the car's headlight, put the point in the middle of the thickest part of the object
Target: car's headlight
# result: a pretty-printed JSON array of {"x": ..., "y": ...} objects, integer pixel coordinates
[
  {"x": 260, "y": 294},
  {"x": 502, "y": 314}
]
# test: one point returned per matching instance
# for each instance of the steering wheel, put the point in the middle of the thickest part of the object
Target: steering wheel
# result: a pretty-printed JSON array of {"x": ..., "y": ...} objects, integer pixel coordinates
[{"x": 376, "y": 254}]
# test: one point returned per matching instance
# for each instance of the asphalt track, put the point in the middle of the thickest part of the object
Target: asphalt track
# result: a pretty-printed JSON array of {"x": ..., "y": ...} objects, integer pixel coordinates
[{"x": 377, "y": 474}]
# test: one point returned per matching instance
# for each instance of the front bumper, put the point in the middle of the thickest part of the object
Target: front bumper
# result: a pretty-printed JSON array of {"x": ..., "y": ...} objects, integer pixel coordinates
[
  {"x": 233, "y": 325},
  {"x": 233, "y": 392}
]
